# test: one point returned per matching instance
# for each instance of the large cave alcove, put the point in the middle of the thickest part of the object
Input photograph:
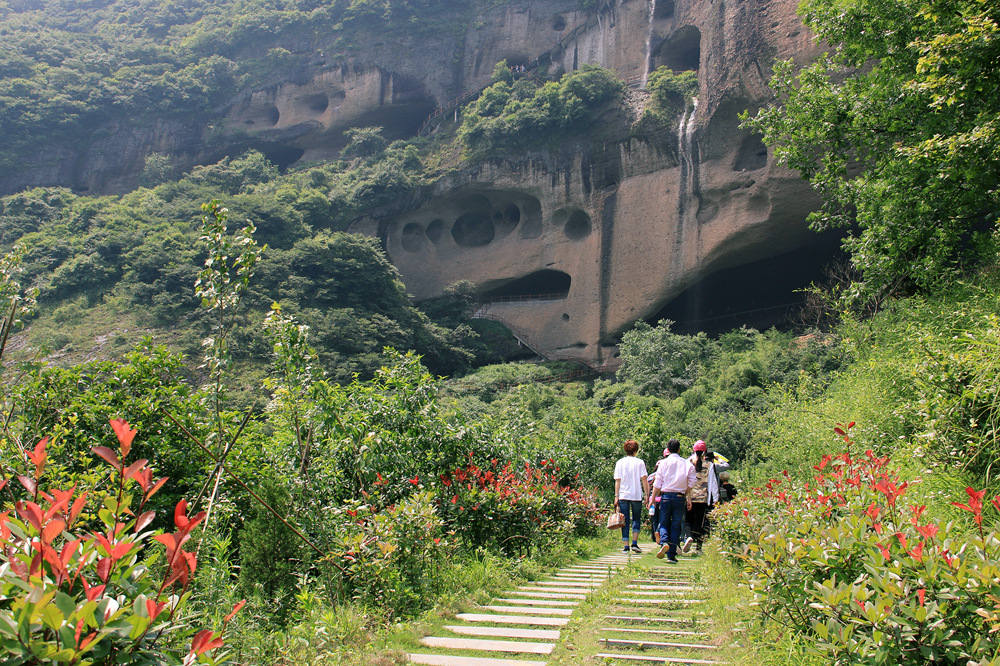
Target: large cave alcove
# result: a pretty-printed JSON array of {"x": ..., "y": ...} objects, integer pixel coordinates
[
  {"x": 545, "y": 285},
  {"x": 759, "y": 294},
  {"x": 681, "y": 51}
]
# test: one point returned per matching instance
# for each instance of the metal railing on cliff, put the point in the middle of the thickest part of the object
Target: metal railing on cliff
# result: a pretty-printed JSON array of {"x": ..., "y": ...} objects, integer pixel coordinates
[{"x": 530, "y": 67}]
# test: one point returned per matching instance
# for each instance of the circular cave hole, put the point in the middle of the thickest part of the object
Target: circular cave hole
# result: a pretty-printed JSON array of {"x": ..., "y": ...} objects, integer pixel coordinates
[
  {"x": 317, "y": 103},
  {"x": 578, "y": 225},
  {"x": 559, "y": 24},
  {"x": 435, "y": 230},
  {"x": 546, "y": 285},
  {"x": 474, "y": 229},
  {"x": 266, "y": 116},
  {"x": 412, "y": 237},
  {"x": 507, "y": 218}
]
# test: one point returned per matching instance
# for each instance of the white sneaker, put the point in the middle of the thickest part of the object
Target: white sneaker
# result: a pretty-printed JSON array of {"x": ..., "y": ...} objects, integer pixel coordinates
[{"x": 687, "y": 545}]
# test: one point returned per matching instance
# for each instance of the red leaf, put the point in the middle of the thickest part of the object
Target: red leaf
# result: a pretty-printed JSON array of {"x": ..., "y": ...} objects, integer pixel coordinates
[
  {"x": 78, "y": 505},
  {"x": 156, "y": 487},
  {"x": 32, "y": 513},
  {"x": 144, "y": 520},
  {"x": 108, "y": 455},
  {"x": 850, "y": 425},
  {"x": 840, "y": 432},
  {"x": 236, "y": 609},
  {"x": 124, "y": 433},
  {"x": 203, "y": 642},
  {"x": 29, "y": 484},
  {"x": 52, "y": 530},
  {"x": 104, "y": 568},
  {"x": 38, "y": 457},
  {"x": 131, "y": 470}
]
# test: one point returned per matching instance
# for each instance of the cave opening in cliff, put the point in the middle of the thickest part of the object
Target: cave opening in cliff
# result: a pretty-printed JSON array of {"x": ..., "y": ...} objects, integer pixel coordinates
[
  {"x": 759, "y": 294},
  {"x": 663, "y": 9},
  {"x": 545, "y": 285},
  {"x": 681, "y": 51}
]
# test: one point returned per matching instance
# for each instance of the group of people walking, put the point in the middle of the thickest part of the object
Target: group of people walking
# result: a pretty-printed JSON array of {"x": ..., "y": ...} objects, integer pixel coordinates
[{"x": 678, "y": 496}]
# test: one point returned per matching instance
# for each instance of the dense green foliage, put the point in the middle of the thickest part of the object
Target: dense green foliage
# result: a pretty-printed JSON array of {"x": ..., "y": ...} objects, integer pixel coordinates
[
  {"x": 70, "y": 67},
  {"x": 897, "y": 129},
  {"x": 138, "y": 253},
  {"x": 513, "y": 115}
]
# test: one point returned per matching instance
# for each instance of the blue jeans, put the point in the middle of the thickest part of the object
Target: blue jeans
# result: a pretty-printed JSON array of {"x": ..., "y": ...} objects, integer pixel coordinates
[
  {"x": 672, "y": 509},
  {"x": 633, "y": 507}
]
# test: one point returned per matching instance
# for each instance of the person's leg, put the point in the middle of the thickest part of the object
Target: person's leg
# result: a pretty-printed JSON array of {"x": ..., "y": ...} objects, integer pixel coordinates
[
  {"x": 624, "y": 506},
  {"x": 697, "y": 519},
  {"x": 676, "y": 511},
  {"x": 636, "y": 507},
  {"x": 654, "y": 523}
]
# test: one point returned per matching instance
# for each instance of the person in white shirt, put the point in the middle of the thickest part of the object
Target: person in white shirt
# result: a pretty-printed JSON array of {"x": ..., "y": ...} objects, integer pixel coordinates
[
  {"x": 631, "y": 490},
  {"x": 675, "y": 477}
]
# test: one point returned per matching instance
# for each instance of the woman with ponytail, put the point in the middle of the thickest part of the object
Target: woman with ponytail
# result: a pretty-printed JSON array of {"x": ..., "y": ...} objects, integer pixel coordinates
[{"x": 698, "y": 498}]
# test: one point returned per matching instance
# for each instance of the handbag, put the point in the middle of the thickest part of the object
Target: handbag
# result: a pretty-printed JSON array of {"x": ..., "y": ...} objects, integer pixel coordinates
[{"x": 616, "y": 520}]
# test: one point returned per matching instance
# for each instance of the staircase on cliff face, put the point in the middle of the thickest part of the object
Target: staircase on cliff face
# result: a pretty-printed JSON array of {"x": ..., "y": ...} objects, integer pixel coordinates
[{"x": 653, "y": 619}]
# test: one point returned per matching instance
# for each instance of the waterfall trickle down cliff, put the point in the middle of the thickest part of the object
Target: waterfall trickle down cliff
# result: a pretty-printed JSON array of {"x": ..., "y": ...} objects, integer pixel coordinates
[
  {"x": 649, "y": 44},
  {"x": 688, "y": 160}
]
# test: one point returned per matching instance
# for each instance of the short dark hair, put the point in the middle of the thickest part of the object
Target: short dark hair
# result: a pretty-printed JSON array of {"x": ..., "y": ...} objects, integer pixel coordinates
[
  {"x": 631, "y": 447},
  {"x": 674, "y": 445}
]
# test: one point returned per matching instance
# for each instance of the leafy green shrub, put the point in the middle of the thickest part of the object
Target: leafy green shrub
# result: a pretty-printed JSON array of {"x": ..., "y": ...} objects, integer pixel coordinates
[
  {"x": 843, "y": 560},
  {"x": 78, "y": 583},
  {"x": 508, "y": 117}
]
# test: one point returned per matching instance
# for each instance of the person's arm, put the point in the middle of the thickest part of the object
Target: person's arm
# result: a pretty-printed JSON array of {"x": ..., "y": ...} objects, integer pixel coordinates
[
  {"x": 645, "y": 488},
  {"x": 618, "y": 487}
]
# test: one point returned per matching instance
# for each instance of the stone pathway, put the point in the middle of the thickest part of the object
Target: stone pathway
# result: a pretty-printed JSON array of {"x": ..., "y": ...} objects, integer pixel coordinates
[{"x": 655, "y": 620}]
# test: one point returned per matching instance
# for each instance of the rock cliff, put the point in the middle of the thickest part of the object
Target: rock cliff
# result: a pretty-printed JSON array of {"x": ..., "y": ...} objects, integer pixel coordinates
[{"x": 570, "y": 248}]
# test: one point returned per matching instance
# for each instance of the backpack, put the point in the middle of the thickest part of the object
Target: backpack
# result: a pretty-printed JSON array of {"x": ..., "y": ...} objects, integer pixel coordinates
[{"x": 723, "y": 493}]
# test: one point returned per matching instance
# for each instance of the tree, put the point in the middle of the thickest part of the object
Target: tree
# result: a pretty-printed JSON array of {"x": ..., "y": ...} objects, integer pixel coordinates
[{"x": 898, "y": 128}]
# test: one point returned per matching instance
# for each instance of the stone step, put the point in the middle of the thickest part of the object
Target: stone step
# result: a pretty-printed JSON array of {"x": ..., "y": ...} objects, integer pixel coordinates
[
  {"x": 453, "y": 660},
  {"x": 648, "y": 620},
  {"x": 559, "y": 590},
  {"x": 627, "y": 642},
  {"x": 514, "y": 619},
  {"x": 671, "y": 593},
  {"x": 669, "y": 588},
  {"x": 539, "y": 602},
  {"x": 487, "y": 645},
  {"x": 547, "y": 595},
  {"x": 530, "y": 610},
  {"x": 644, "y": 602},
  {"x": 655, "y": 632},
  {"x": 624, "y": 656},
  {"x": 580, "y": 577},
  {"x": 505, "y": 632},
  {"x": 588, "y": 584}
]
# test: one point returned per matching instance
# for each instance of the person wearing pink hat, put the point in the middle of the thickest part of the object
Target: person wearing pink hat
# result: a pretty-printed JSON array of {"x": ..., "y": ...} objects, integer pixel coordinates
[{"x": 698, "y": 498}]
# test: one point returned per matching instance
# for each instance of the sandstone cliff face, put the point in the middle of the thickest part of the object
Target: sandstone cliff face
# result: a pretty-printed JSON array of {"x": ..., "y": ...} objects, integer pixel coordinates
[
  {"x": 575, "y": 247},
  {"x": 576, "y": 250}
]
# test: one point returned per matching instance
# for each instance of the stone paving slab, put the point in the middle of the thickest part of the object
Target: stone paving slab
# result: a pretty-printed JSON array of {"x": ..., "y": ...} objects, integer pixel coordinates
[
  {"x": 644, "y": 602},
  {"x": 530, "y": 610},
  {"x": 664, "y": 593},
  {"x": 656, "y": 660},
  {"x": 568, "y": 583},
  {"x": 684, "y": 588},
  {"x": 539, "y": 602},
  {"x": 505, "y": 632},
  {"x": 453, "y": 660},
  {"x": 558, "y": 590},
  {"x": 572, "y": 576},
  {"x": 514, "y": 619},
  {"x": 487, "y": 645},
  {"x": 644, "y": 620},
  {"x": 547, "y": 595},
  {"x": 626, "y": 642},
  {"x": 654, "y": 632}
]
